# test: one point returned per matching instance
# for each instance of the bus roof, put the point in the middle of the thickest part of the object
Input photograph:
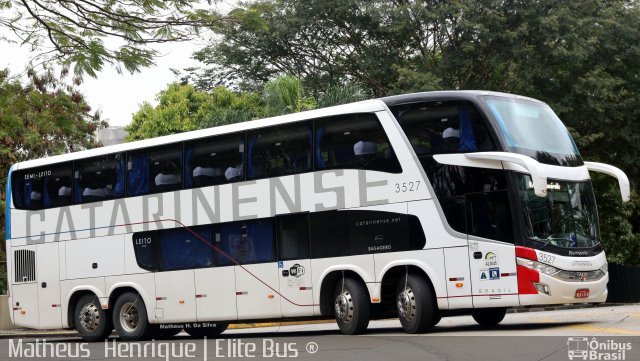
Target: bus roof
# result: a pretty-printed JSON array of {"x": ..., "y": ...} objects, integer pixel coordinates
[
  {"x": 447, "y": 95},
  {"x": 372, "y": 105}
]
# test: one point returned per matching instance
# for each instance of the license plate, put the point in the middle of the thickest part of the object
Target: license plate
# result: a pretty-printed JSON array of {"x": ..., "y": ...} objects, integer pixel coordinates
[{"x": 582, "y": 293}]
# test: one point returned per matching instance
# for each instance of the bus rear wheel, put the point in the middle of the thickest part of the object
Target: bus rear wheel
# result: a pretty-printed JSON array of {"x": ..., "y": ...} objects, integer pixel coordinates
[
  {"x": 415, "y": 304},
  {"x": 130, "y": 318},
  {"x": 208, "y": 331},
  {"x": 91, "y": 320},
  {"x": 351, "y": 306},
  {"x": 489, "y": 316}
]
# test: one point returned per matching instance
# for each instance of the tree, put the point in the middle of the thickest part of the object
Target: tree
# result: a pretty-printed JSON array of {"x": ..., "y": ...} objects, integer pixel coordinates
[
  {"x": 40, "y": 119},
  {"x": 183, "y": 108},
  {"x": 286, "y": 94},
  {"x": 87, "y": 34}
]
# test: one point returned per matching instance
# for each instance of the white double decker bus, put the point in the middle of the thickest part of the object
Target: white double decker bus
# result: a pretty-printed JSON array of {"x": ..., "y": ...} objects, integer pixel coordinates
[{"x": 416, "y": 206}]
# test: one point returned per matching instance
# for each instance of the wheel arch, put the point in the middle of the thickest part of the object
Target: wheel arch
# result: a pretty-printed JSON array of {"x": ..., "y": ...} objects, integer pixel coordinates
[
  {"x": 121, "y": 288},
  {"x": 329, "y": 280}
]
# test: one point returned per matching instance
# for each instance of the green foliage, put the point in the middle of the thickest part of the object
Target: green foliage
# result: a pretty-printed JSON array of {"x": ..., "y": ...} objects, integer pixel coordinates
[
  {"x": 86, "y": 35},
  {"x": 39, "y": 119},
  {"x": 285, "y": 94},
  {"x": 182, "y": 108}
]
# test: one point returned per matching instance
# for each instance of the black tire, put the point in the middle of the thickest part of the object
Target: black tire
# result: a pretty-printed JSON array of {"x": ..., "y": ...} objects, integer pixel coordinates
[
  {"x": 489, "y": 316},
  {"x": 136, "y": 327},
  {"x": 415, "y": 304},
  {"x": 436, "y": 319},
  {"x": 91, "y": 321},
  {"x": 200, "y": 332},
  {"x": 351, "y": 306}
]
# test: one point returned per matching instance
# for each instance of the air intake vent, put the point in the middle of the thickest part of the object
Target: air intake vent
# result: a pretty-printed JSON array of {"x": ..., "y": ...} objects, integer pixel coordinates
[{"x": 25, "y": 265}]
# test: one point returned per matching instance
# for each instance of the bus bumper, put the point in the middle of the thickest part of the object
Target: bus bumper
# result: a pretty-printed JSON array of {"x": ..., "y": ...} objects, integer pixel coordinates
[{"x": 563, "y": 292}]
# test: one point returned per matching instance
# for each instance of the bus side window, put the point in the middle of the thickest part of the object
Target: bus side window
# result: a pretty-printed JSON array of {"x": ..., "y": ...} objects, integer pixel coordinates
[
  {"x": 154, "y": 170},
  {"x": 42, "y": 188},
  {"x": 57, "y": 187},
  {"x": 99, "y": 178},
  {"x": 179, "y": 248},
  {"x": 293, "y": 237},
  {"x": 489, "y": 216},
  {"x": 356, "y": 141},
  {"x": 214, "y": 160},
  {"x": 330, "y": 234},
  {"x": 144, "y": 244},
  {"x": 280, "y": 150},
  {"x": 444, "y": 127},
  {"x": 245, "y": 242}
]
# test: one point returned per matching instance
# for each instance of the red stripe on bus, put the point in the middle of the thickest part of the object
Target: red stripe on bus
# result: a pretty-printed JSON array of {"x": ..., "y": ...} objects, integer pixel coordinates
[
  {"x": 525, "y": 252},
  {"x": 526, "y": 278}
]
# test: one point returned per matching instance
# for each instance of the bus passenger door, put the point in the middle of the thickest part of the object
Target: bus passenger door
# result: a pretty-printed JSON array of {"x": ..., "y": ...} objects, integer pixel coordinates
[
  {"x": 491, "y": 252},
  {"x": 294, "y": 265},
  {"x": 48, "y": 271}
]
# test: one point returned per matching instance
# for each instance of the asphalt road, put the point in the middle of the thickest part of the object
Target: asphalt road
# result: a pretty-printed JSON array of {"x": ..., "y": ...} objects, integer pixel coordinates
[{"x": 595, "y": 333}]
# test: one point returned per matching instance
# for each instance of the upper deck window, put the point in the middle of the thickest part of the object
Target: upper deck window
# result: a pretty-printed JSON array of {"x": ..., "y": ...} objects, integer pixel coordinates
[
  {"x": 44, "y": 187},
  {"x": 533, "y": 129},
  {"x": 355, "y": 141},
  {"x": 443, "y": 127},
  {"x": 98, "y": 179}
]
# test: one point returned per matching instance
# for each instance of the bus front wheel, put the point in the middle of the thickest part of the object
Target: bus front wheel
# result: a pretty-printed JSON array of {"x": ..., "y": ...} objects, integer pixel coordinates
[
  {"x": 91, "y": 320},
  {"x": 415, "y": 304},
  {"x": 130, "y": 317},
  {"x": 351, "y": 306},
  {"x": 489, "y": 316}
]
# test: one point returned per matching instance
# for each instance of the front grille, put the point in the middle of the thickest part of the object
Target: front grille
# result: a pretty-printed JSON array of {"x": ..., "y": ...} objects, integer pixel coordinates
[{"x": 580, "y": 276}]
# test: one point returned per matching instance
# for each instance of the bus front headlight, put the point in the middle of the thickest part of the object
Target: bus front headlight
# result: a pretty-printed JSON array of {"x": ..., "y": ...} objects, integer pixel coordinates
[{"x": 540, "y": 267}]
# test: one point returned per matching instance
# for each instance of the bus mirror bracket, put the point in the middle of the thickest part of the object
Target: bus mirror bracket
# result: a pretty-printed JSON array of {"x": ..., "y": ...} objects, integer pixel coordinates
[
  {"x": 493, "y": 160},
  {"x": 623, "y": 181}
]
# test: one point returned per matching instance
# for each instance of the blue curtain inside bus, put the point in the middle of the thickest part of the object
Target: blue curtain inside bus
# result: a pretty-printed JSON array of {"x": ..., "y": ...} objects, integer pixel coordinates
[
  {"x": 180, "y": 249},
  {"x": 138, "y": 175}
]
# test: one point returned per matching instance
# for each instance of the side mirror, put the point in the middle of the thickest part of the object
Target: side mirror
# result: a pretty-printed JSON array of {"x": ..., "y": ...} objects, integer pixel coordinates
[
  {"x": 623, "y": 180},
  {"x": 493, "y": 160}
]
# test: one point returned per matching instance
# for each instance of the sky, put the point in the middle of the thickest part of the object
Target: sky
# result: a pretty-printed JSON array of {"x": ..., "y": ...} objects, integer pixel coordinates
[{"x": 117, "y": 96}]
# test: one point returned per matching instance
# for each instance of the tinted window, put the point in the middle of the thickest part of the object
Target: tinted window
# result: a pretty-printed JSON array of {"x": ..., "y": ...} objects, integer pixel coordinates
[
  {"x": 356, "y": 141},
  {"x": 181, "y": 249},
  {"x": 245, "y": 242},
  {"x": 154, "y": 170},
  {"x": 330, "y": 234},
  {"x": 144, "y": 247},
  {"x": 444, "y": 127},
  {"x": 293, "y": 237},
  {"x": 489, "y": 216},
  {"x": 214, "y": 160},
  {"x": 345, "y": 233},
  {"x": 374, "y": 232},
  {"x": 44, "y": 187},
  {"x": 281, "y": 150},
  {"x": 99, "y": 178}
]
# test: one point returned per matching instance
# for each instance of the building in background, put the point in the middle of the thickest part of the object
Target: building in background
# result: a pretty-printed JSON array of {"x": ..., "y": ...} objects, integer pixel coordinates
[{"x": 111, "y": 135}]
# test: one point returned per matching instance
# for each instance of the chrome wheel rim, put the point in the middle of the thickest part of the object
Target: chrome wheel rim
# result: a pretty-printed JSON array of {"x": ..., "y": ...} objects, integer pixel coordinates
[
  {"x": 406, "y": 303},
  {"x": 90, "y": 317},
  {"x": 129, "y": 316},
  {"x": 344, "y": 306}
]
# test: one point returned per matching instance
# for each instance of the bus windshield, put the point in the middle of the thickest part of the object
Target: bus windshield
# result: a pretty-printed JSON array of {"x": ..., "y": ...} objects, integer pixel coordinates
[
  {"x": 566, "y": 218},
  {"x": 533, "y": 129}
]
